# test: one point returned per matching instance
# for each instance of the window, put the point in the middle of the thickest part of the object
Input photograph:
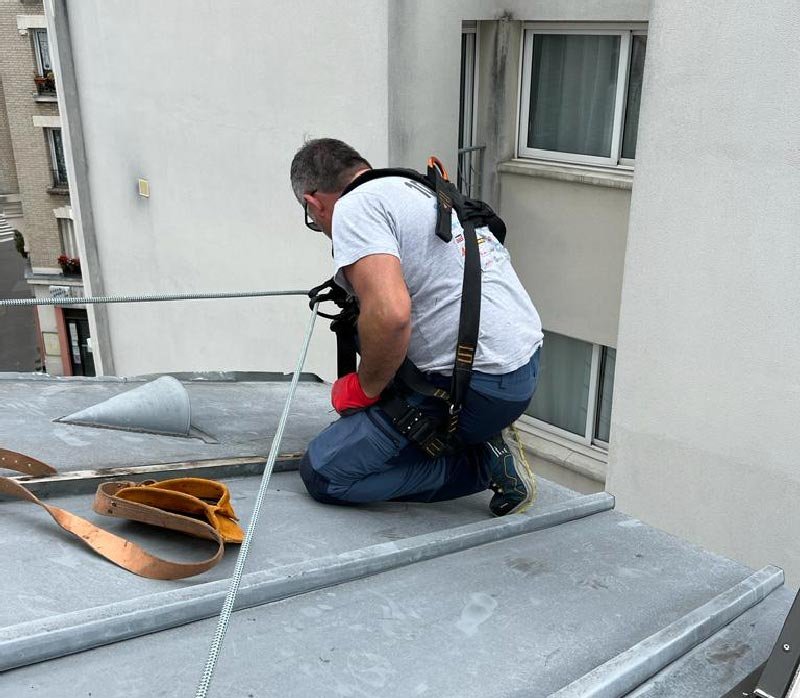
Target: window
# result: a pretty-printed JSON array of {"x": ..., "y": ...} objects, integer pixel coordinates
[
  {"x": 57, "y": 160},
  {"x": 467, "y": 92},
  {"x": 470, "y": 156},
  {"x": 42, "y": 50},
  {"x": 575, "y": 389},
  {"x": 581, "y": 90},
  {"x": 66, "y": 230},
  {"x": 44, "y": 78},
  {"x": 605, "y": 390}
]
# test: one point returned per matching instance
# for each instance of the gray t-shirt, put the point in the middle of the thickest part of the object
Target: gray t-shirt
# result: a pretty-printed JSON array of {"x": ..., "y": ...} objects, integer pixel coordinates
[{"x": 396, "y": 216}]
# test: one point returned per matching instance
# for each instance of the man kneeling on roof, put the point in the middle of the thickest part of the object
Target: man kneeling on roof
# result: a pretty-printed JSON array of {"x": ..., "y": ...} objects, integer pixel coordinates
[{"x": 409, "y": 430}]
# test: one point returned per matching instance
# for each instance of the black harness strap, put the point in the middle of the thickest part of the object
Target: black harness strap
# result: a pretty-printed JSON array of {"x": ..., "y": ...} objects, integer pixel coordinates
[
  {"x": 433, "y": 181},
  {"x": 468, "y": 324}
]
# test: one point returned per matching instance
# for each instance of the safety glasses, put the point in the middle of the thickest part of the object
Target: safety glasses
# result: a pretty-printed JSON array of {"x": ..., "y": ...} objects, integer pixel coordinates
[{"x": 311, "y": 224}]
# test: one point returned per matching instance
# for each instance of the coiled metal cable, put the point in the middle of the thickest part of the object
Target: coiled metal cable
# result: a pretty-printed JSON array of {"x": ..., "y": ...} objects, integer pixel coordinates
[
  {"x": 230, "y": 598},
  {"x": 149, "y": 298}
]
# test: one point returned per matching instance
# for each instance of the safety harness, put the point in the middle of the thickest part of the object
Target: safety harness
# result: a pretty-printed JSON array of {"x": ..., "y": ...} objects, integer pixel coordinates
[{"x": 433, "y": 435}]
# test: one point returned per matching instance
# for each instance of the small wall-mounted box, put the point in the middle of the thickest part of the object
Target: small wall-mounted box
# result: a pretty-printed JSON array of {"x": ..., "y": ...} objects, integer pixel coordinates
[{"x": 144, "y": 188}]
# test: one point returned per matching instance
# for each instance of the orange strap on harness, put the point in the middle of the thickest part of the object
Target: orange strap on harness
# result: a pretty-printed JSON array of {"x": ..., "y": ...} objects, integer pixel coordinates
[
  {"x": 195, "y": 506},
  {"x": 433, "y": 161}
]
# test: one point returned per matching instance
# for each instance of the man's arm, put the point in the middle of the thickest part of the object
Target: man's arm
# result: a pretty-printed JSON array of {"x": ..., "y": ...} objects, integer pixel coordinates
[{"x": 384, "y": 323}]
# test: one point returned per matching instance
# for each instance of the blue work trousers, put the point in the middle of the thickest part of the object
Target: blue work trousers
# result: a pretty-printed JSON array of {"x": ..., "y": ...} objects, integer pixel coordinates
[{"x": 362, "y": 458}]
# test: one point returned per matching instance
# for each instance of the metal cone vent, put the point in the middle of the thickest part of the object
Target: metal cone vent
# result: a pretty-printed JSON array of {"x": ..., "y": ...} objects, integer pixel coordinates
[{"x": 159, "y": 407}]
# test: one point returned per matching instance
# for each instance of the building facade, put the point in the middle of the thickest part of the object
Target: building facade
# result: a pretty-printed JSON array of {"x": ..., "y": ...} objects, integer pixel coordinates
[
  {"x": 570, "y": 118},
  {"x": 34, "y": 187}
]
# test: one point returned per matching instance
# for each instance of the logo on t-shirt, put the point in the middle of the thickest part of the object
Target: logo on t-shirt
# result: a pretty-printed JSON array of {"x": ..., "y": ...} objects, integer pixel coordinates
[
  {"x": 418, "y": 187},
  {"x": 491, "y": 251}
]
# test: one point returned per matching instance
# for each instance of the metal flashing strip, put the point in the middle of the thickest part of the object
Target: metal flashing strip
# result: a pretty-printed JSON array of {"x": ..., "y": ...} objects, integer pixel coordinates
[
  {"x": 86, "y": 481},
  {"x": 183, "y": 376},
  {"x": 57, "y": 636},
  {"x": 620, "y": 675}
]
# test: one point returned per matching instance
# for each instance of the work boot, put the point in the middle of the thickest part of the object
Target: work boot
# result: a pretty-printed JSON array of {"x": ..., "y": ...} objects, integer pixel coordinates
[{"x": 510, "y": 476}]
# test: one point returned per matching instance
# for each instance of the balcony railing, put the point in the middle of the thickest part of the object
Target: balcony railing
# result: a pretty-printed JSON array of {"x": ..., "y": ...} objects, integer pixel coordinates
[
  {"x": 60, "y": 179},
  {"x": 45, "y": 84},
  {"x": 470, "y": 170}
]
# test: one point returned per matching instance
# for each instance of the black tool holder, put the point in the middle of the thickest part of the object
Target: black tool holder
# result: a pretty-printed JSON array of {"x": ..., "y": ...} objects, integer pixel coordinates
[{"x": 343, "y": 323}]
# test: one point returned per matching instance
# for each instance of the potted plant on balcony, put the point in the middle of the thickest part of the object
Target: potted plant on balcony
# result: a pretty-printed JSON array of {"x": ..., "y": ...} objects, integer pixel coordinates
[
  {"x": 70, "y": 266},
  {"x": 45, "y": 83}
]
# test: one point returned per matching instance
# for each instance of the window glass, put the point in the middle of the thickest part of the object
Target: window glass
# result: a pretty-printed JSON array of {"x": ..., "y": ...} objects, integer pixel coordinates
[
  {"x": 465, "y": 103},
  {"x": 43, "y": 51},
  {"x": 638, "y": 48},
  {"x": 605, "y": 394},
  {"x": 562, "y": 396},
  {"x": 573, "y": 92},
  {"x": 67, "y": 232},
  {"x": 59, "y": 164}
]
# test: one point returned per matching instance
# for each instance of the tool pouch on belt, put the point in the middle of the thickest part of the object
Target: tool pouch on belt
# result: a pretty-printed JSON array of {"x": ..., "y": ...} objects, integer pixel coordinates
[{"x": 194, "y": 506}]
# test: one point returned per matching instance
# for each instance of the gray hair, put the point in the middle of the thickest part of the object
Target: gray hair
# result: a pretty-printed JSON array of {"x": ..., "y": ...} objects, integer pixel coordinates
[{"x": 324, "y": 164}]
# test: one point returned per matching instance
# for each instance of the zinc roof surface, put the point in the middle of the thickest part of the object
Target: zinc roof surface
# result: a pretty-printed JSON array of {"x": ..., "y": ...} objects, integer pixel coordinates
[{"x": 392, "y": 599}]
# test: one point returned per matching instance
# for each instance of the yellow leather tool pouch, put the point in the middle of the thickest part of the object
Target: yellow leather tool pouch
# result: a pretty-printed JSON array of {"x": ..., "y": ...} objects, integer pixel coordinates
[{"x": 195, "y": 497}]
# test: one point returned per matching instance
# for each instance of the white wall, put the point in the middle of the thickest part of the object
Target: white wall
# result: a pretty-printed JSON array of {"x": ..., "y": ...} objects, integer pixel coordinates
[
  {"x": 209, "y": 103},
  {"x": 567, "y": 241},
  {"x": 707, "y": 394}
]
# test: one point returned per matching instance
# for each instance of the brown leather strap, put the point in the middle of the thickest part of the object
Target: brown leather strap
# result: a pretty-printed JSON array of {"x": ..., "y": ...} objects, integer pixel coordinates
[
  {"x": 11, "y": 460},
  {"x": 119, "y": 550}
]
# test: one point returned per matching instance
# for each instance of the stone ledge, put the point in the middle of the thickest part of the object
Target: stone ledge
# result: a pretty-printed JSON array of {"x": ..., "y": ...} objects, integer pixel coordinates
[
  {"x": 579, "y": 174},
  {"x": 39, "y": 279},
  {"x": 589, "y": 463}
]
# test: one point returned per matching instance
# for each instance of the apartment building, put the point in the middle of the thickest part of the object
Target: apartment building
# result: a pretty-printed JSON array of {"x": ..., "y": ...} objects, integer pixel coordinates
[
  {"x": 34, "y": 187},
  {"x": 640, "y": 152}
]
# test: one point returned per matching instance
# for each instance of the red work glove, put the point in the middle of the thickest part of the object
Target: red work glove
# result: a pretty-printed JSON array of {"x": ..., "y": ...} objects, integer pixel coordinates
[{"x": 347, "y": 395}]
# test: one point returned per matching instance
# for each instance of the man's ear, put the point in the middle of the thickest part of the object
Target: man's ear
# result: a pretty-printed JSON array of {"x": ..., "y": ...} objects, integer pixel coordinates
[{"x": 315, "y": 203}]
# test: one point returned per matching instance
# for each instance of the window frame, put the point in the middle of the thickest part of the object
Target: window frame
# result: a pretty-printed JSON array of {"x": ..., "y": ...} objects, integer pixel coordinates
[
  {"x": 588, "y": 438},
  {"x": 625, "y": 32},
  {"x": 37, "y": 50},
  {"x": 628, "y": 162},
  {"x": 603, "y": 356},
  {"x": 54, "y": 155},
  {"x": 66, "y": 233},
  {"x": 469, "y": 170},
  {"x": 468, "y": 125}
]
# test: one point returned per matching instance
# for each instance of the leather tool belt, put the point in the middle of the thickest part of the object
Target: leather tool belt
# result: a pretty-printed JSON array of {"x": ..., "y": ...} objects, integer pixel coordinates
[{"x": 195, "y": 506}]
